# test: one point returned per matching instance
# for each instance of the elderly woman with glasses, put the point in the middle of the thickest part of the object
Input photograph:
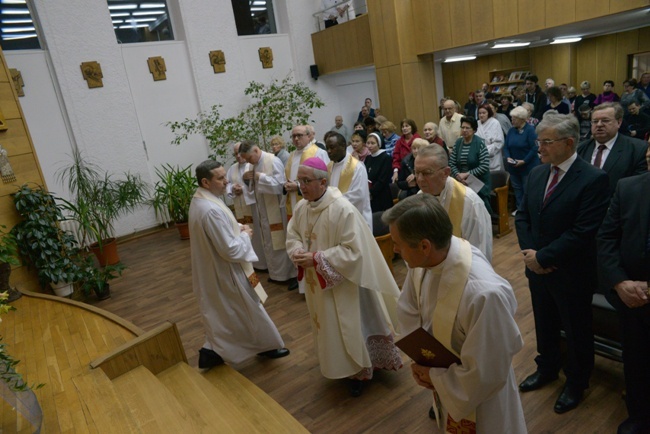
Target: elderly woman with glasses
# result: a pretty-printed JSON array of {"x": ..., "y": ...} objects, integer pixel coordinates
[
  {"x": 470, "y": 157},
  {"x": 520, "y": 151}
]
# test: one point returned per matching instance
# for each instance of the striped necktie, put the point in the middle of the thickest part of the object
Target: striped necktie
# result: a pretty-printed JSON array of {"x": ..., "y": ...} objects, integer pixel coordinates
[{"x": 553, "y": 184}]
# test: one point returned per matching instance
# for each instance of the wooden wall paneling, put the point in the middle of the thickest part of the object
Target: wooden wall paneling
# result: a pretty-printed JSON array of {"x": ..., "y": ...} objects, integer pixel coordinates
[
  {"x": 606, "y": 67},
  {"x": 560, "y": 63},
  {"x": 643, "y": 39},
  {"x": 25, "y": 169},
  {"x": 441, "y": 24},
  {"x": 348, "y": 51},
  {"x": 413, "y": 93},
  {"x": 320, "y": 54},
  {"x": 406, "y": 31},
  {"x": 421, "y": 10},
  {"x": 626, "y": 5},
  {"x": 384, "y": 92},
  {"x": 391, "y": 36},
  {"x": 3, "y": 74},
  {"x": 626, "y": 44},
  {"x": 430, "y": 96},
  {"x": 461, "y": 22},
  {"x": 8, "y": 102},
  {"x": 587, "y": 64},
  {"x": 479, "y": 71},
  {"x": 573, "y": 69},
  {"x": 541, "y": 63},
  {"x": 505, "y": 16},
  {"x": 449, "y": 81},
  {"x": 377, "y": 34},
  {"x": 588, "y": 9},
  {"x": 15, "y": 139},
  {"x": 559, "y": 12},
  {"x": 482, "y": 20},
  {"x": 509, "y": 60},
  {"x": 8, "y": 214},
  {"x": 531, "y": 14},
  {"x": 460, "y": 89},
  {"x": 495, "y": 61},
  {"x": 522, "y": 57},
  {"x": 362, "y": 33},
  {"x": 397, "y": 92}
]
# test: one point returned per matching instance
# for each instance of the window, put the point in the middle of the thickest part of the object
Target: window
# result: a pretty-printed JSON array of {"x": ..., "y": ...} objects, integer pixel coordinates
[
  {"x": 640, "y": 64},
  {"x": 18, "y": 30},
  {"x": 254, "y": 17},
  {"x": 140, "y": 21}
]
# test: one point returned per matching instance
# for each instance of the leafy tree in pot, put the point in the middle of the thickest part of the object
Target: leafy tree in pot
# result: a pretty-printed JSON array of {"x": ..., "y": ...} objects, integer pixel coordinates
[{"x": 173, "y": 192}]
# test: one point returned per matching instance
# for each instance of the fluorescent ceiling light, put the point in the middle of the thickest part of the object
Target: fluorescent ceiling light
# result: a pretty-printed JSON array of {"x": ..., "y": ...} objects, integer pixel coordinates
[
  {"x": 132, "y": 26},
  {"x": 15, "y": 11},
  {"x": 13, "y": 2},
  {"x": 152, "y": 5},
  {"x": 17, "y": 21},
  {"x": 566, "y": 40},
  {"x": 147, "y": 13},
  {"x": 259, "y": 3},
  {"x": 117, "y": 7},
  {"x": 258, "y": 9},
  {"x": 17, "y": 29},
  {"x": 511, "y": 44},
  {"x": 118, "y": 21},
  {"x": 141, "y": 20},
  {"x": 459, "y": 58},
  {"x": 12, "y": 37},
  {"x": 120, "y": 14}
]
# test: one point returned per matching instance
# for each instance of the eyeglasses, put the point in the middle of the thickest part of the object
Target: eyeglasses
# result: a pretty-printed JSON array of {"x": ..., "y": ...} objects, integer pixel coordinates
[
  {"x": 602, "y": 121},
  {"x": 427, "y": 173},
  {"x": 548, "y": 141},
  {"x": 305, "y": 181},
  {"x": 297, "y": 136}
]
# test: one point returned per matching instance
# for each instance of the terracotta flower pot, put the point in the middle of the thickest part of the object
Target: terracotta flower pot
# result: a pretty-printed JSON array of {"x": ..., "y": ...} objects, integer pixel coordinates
[
  {"x": 183, "y": 230},
  {"x": 107, "y": 255}
]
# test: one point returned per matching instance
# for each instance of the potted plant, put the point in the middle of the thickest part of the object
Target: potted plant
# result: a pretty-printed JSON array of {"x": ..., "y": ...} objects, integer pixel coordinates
[
  {"x": 42, "y": 243},
  {"x": 96, "y": 279},
  {"x": 98, "y": 200},
  {"x": 8, "y": 258},
  {"x": 172, "y": 195}
]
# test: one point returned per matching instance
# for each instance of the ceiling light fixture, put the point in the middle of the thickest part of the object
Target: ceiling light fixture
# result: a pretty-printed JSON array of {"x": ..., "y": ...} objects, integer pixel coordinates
[
  {"x": 13, "y": 2},
  {"x": 142, "y": 20},
  {"x": 152, "y": 5},
  {"x": 459, "y": 58},
  {"x": 17, "y": 29},
  {"x": 147, "y": 13},
  {"x": 510, "y": 44},
  {"x": 12, "y": 37},
  {"x": 118, "y": 7},
  {"x": 15, "y": 11},
  {"x": 132, "y": 26},
  {"x": 566, "y": 40},
  {"x": 259, "y": 3},
  {"x": 258, "y": 9},
  {"x": 120, "y": 14},
  {"x": 17, "y": 21}
]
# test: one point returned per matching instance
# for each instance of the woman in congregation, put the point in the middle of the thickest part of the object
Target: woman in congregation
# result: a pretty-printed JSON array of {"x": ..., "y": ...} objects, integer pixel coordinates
[
  {"x": 470, "y": 157},
  {"x": 387, "y": 129},
  {"x": 520, "y": 151},
  {"x": 555, "y": 101},
  {"x": 403, "y": 145},
  {"x": 406, "y": 181},
  {"x": 378, "y": 165},
  {"x": 489, "y": 129},
  {"x": 470, "y": 105},
  {"x": 430, "y": 132},
  {"x": 358, "y": 143}
]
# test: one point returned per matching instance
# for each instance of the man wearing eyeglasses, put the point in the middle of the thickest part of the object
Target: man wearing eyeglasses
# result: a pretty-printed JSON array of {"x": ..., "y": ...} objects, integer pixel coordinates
[
  {"x": 564, "y": 203},
  {"x": 618, "y": 155},
  {"x": 450, "y": 124},
  {"x": 305, "y": 149},
  {"x": 466, "y": 209}
]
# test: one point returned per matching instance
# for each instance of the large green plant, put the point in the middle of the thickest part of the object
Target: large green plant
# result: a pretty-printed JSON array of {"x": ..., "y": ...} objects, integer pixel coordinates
[
  {"x": 54, "y": 253},
  {"x": 275, "y": 108},
  {"x": 172, "y": 193},
  {"x": 99, "y": 199}
]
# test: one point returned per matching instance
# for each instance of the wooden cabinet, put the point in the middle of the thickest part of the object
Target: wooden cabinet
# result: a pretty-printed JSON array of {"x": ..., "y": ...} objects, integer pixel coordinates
[{"x": 505, "y": 80}]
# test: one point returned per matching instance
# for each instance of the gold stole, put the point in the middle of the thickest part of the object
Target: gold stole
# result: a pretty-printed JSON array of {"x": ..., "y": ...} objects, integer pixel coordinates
[
  {"x": 247, "y": 267},
  {"x": 454, "y": 280},
  {"x": 243, "y": 212},
  {"x": 273, "y": 212},
  {"x": 346, "y": 174},
  {"x": 456, "y": 205},
  {"x": 307, "y": 153}
]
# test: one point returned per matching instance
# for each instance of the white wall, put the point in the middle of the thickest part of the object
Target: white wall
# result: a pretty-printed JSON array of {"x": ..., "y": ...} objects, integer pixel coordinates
[{"x": 115, "y": 123}]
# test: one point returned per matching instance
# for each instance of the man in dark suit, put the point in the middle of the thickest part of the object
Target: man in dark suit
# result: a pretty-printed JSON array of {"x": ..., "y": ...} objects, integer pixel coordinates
[
  {"x": 618, "y": 155},
  {"x": 624, "y": 269},
  {"x": 564, "y": 204}
]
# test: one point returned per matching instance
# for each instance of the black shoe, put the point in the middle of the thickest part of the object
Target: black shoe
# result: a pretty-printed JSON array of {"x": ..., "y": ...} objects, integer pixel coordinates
[
  {"x": 259, "y": 270},
  {"x": 631, "y": 426},
  {"x": 275, "y": 354},
  {"x": 355, "y": 387},
  {"x": 293, "y": 284},
  {"x": 432, "y": 414},
  {"x": 568, "y": 400},
  {"x": 209, "y": 359},
  {"x": 535, "y": 381}
]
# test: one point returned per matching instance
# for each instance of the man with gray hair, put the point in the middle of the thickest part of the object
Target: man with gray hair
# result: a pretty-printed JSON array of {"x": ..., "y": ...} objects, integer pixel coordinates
[
  {"x": 564, "y": 203},
  {"x": 350, "y": 292},
  {"x": 453, "y": 293},
  {"x": 340, "y": 128},
  {"x": 469, "y": 217},
  {"x": 450, "y": 124}
]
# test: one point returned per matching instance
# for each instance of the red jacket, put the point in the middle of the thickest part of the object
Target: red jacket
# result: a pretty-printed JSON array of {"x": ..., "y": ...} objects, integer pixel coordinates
[{"x": 402, "y": 149}]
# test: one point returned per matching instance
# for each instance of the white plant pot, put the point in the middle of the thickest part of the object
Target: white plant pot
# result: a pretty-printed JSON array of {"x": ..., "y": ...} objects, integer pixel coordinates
[{"x": 62, "y": 289}]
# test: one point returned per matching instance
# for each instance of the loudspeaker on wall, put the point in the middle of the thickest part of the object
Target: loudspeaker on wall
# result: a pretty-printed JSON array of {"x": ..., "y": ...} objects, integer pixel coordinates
[{"x": 314, "y": 71}]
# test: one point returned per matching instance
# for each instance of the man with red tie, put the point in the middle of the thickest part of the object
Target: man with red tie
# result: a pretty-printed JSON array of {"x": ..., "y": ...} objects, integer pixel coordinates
[
  {"x": 564, "y": 203},
  {"x": 618, "y": 155}
]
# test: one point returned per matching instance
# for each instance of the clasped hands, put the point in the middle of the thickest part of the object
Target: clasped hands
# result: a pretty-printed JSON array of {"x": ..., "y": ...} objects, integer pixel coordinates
[
  {"x": 302, "y": 258},
  {"x": 246, "y": 229},
  {"x": 530, "y": 259},
  {"x": 291, "y": 186},
  {"x": 462, "y": 178},
  {"x": 633, "y": 293}
]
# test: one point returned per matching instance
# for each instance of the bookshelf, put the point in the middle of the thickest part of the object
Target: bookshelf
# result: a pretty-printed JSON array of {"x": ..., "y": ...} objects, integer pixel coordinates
[{"x": 505, "y": 80}]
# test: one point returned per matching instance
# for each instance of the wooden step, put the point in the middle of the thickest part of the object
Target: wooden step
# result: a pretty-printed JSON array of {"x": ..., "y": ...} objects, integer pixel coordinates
[
  {"x": 211, "y": 409},
  {"x": 154, "y": 408},
  {"x": 260, "y": 409},
  {"x": 104, "y": 411}
]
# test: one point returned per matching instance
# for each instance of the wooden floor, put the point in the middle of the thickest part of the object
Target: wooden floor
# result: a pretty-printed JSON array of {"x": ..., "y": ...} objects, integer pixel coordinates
[{"x": 157, "y": 287}]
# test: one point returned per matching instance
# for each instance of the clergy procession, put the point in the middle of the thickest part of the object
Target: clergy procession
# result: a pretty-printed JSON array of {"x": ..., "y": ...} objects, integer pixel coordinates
[{"x": 308, "y": 221}]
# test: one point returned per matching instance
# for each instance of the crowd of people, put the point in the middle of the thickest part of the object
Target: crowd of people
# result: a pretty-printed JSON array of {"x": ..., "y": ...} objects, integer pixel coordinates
[{"x": 308, "y": 218}]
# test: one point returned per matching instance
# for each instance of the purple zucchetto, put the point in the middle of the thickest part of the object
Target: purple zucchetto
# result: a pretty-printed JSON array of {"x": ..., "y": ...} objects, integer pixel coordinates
[{"x": 315, "y": 163}]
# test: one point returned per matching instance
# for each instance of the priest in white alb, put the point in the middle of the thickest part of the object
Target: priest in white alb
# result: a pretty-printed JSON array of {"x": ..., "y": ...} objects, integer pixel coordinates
[
  {"x": 265, "y": 178},
  {"x": 236, "y": 188},
  {"x": 351, "y": 294},
  {"x": 453, "y": 293},
  {"x": 229, "y": 294}
]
